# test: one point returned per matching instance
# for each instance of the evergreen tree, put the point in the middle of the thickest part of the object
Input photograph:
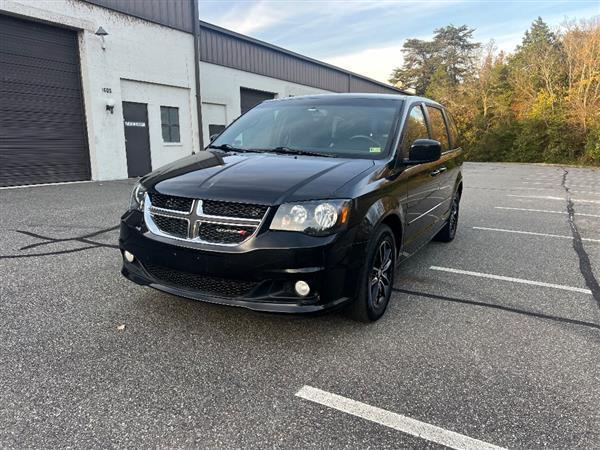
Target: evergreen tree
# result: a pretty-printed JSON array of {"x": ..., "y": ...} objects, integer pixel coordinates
[{"x": 451, "y": 49}]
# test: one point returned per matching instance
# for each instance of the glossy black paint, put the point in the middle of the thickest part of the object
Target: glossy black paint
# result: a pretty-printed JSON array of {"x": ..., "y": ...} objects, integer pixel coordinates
[
  {"x": 424, "y": 151},
  {"x": 414, "y": 200}
]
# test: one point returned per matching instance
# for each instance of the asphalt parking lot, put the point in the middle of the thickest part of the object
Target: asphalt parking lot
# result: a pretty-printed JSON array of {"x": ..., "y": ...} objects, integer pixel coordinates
[{"x": 494, "y": 337}]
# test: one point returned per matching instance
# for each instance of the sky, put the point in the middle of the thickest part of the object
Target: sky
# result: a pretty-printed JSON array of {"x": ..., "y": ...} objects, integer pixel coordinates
[{"x": 366, "y": 37}]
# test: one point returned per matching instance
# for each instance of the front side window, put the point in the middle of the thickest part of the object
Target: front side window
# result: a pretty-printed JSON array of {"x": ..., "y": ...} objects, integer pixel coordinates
[
  {"x": 415, "y": 128},
  {"x": 438, "y": 127},
  {"x": 353, "y": 128},
  {"x": 169, "y": 118}
]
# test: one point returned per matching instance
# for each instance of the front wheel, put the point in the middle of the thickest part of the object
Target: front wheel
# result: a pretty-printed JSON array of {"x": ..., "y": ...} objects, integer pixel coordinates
[
  {"x": 378, "y": 277},
  {"x": 448, "y": 233}
]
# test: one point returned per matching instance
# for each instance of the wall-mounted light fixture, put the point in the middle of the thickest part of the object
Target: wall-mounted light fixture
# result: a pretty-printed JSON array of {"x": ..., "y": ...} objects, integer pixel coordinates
[
  {"x": 110, "y": 105},
  {"x": 102, "y": 32}
]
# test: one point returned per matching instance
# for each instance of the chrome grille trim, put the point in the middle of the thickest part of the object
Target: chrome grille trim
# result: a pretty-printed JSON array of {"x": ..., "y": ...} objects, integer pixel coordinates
[
  {"x": 168, "y": 210},
  {"x": 195, "y": 218}
]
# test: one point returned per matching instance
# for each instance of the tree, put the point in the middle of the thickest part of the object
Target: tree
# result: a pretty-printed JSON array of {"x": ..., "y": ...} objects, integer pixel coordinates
[
  {"x": 581, "y": 44},
  {"x": 537, "y": 70},
  {"x": 455, "y": 51},
  {"x": 539, "y": 104},
  {"x": 419, "y": 65},
  {"x": 451, "y": 49}
]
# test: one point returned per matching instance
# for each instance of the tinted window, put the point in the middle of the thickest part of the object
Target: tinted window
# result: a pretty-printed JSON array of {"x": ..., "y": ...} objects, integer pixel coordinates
[
  {"x": 415, "y": 128},
  {"x": 453, "y": 131},
  {"x": 354, "y": 128},
  {"x": 438, "y": 127}
]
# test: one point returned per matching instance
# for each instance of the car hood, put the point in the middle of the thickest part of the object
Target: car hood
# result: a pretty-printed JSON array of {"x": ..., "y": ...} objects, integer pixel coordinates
[{"x": 268, "y": 179}]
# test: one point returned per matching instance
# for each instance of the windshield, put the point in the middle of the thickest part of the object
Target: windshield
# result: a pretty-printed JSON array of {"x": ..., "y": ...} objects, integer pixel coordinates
[{"x": 353, "y": 128}]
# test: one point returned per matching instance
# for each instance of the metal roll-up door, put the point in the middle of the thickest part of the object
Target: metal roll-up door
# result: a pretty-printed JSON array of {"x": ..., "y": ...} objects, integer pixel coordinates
[
  {"x": 42, "y": 121},
  {"x": 251, "y": 97}
]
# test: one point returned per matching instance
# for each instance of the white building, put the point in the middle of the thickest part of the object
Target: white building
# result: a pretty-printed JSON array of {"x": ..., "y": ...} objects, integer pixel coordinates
[{"x": 107, "y": 89}]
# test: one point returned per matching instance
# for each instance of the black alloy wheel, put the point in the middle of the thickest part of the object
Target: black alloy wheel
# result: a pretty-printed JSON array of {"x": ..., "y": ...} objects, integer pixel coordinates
[
  {"x": 378, "y": 277},
  {"x": 381, "y": 275},
  {"x": 448, "y": 232}
]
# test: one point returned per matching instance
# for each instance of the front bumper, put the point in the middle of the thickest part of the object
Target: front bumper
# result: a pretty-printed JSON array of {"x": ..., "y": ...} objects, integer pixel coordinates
[{"x": 267, "y": 265}]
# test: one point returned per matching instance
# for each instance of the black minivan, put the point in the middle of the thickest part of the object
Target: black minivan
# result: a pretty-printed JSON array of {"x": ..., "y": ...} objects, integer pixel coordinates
[{"x": 301, "y": 205}]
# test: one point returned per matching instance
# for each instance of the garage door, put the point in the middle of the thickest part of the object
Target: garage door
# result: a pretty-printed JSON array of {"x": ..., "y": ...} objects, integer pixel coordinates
[
  {"x": 251, "y": 97},
  {"x": 42, "y": 123}
]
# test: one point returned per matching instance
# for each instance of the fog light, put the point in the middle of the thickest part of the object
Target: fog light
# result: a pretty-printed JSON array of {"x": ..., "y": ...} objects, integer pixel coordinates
[
  {"x": 128, "y": 256},
  {"x": 302, "y": 288}
]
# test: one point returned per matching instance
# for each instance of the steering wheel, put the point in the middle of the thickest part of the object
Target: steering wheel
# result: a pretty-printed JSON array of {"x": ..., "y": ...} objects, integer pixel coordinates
[{"x": 363, "y": 136}]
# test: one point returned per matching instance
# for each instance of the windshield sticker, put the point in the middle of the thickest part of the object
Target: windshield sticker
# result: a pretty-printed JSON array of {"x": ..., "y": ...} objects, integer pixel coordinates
[{"x": 375, "y": 149}]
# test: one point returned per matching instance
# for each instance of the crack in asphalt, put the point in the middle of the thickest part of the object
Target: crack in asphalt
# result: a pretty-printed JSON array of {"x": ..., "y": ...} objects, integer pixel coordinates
[
  {"x": 499, "y": 307},
  {"x": 585, "y": 267},
  {"x": 46, "y": 240}
]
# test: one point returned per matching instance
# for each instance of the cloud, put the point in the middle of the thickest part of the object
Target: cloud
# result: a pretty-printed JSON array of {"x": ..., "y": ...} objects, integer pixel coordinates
[
  {"x": 366, "y": 37},
  {"x": 258, "y": 16},
  {"x": 377, "y": 63}
]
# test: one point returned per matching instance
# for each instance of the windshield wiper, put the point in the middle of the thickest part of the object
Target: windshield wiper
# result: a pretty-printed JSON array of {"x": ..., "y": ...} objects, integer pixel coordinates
[
  {"x": 296, "y": 151},
  {"x": 231, "y": 148}
]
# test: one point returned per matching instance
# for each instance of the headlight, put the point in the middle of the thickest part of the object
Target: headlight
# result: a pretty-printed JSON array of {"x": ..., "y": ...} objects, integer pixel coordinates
[
  {"x": 318, "y": 218},
  {"x": 137, "y": 197}
]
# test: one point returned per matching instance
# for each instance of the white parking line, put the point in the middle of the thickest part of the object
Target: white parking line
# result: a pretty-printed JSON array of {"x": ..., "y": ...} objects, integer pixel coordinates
[
  {"x": 537, "y": 182},
  {"x": 512, "y": 279},
  {"x": 390, "y": 419},
  {"x": 548, "y": 197},
  {"x": 544, "y": 211},
  {"x": 22, "y": 186},
  {"x": 553, "y": 188},
  {"x": 533, "y": 233},
  {"x": 558, "y": 185}
]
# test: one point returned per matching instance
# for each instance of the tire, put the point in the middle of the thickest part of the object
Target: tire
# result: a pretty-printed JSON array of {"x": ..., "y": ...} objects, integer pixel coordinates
[
  {"x": 448, "y": 233},
  {"x": 377, "y": 279}
]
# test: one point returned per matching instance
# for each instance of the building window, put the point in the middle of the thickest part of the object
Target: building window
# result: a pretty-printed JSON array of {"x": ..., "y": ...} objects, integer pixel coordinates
[
  {"x": 215, "y": 129},
  {"x": 169, "y": 118}
]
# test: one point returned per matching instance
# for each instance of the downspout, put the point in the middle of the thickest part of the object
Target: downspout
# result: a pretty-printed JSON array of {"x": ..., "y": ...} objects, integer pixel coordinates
[{"x": 196, "y": 33}]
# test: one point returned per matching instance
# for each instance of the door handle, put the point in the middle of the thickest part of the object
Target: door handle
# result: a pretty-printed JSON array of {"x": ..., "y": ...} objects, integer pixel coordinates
[{"x": 438, "y": 171}]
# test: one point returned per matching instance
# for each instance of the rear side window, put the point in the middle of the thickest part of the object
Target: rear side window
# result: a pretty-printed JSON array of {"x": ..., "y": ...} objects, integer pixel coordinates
[
  {"x": 438, "y": 127},
  {"x": 453, "y": 131},
  {"x": 416, "y": 128}
]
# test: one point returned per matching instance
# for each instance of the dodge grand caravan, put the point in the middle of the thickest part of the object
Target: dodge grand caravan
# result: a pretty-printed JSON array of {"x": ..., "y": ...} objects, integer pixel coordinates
[{"x": 301, "y": 205}]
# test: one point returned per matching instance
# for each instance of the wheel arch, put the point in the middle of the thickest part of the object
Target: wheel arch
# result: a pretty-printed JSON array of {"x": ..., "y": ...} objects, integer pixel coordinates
[
  {"x": 388, "y": 211},
  {"x": 393, "y": 221}
]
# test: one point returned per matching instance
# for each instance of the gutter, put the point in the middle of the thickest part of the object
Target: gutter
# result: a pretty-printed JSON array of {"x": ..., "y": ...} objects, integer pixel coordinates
[{"x": 196, "y": 33}]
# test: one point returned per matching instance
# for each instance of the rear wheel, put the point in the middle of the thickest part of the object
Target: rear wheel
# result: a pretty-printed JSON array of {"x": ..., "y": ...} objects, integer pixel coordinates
[
  {"x": 378, "y": 277},
  {"x": 448, "y": 233}
]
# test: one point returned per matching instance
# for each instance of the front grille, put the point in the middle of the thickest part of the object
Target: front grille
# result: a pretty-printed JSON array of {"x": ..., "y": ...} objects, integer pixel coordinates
[
  {"x": 171, "y": 202},
  {"x": 210, "y": 221},
  {"x": 230, "y": 209},
  {"x": 223, "y": 234},
  {"x": 221, "y": 287},
  {"x": 171, "y": 225}
]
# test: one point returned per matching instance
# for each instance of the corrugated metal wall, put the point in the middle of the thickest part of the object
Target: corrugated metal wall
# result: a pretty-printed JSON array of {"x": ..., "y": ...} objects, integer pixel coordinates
[
  {"x": 226, "y": 48},
  {"x": 172, "y": 13},
  {"x": 362, "y": 85}
]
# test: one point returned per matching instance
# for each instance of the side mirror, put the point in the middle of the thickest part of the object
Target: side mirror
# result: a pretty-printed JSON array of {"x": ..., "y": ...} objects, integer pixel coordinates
[
  {"x": 213, "y": 136},
  {"x": 424, "y": 151}
]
